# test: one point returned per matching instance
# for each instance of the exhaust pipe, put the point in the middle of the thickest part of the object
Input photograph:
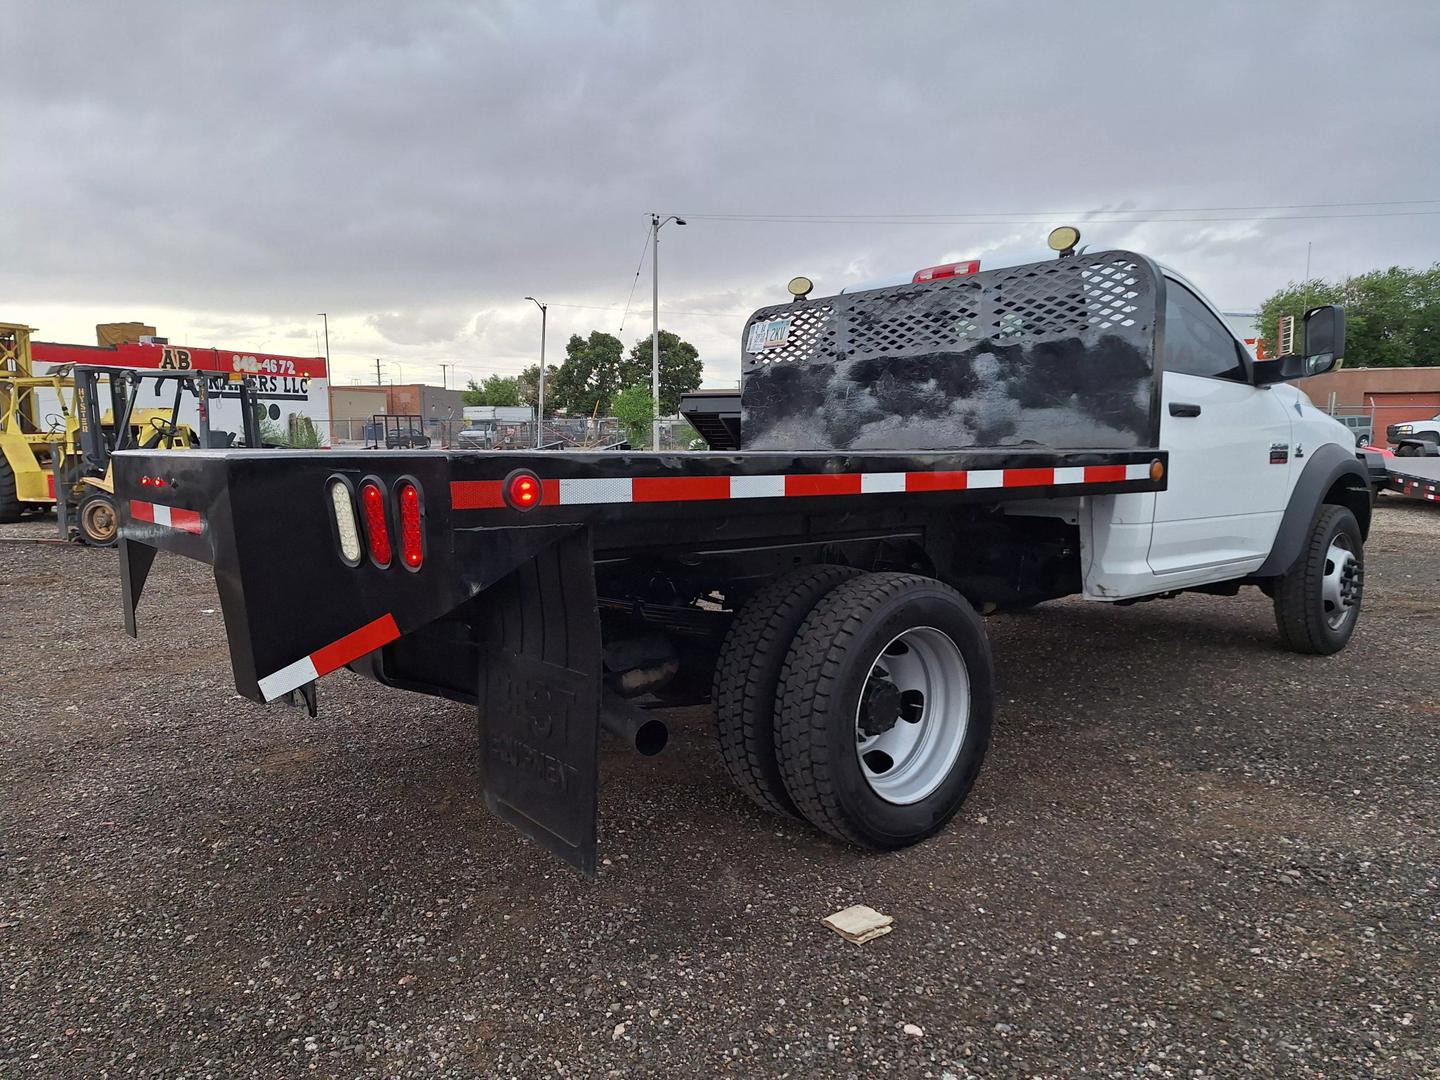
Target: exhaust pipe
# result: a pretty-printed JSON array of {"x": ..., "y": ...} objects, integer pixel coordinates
[{"x": 645, "y": 734}]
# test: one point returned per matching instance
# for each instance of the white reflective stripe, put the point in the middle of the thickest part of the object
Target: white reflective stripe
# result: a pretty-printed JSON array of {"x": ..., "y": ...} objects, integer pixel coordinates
[
  {"x": 288, "y": 678},
  {"x": 606, "y": 490},
  {"x": 756, "y": 487},
  {"x": 882, "y": 481},
  {"x": 161, "y": 512},
  {"x": 985, "y": 478},
  {"x": 1139, "y": 471},
  {"x": 1070, "y": 475}
]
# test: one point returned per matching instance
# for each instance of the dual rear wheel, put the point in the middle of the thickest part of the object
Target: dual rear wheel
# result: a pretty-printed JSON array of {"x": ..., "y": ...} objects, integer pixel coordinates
[{"x": 861, "y": 702}]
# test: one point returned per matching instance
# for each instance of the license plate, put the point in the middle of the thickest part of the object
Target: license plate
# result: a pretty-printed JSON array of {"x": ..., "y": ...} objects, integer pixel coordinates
[{"x": 770, "y": 334}]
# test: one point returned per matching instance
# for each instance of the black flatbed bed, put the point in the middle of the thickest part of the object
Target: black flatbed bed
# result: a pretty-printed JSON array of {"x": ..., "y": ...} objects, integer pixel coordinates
[{"x": 252, "y": 513}]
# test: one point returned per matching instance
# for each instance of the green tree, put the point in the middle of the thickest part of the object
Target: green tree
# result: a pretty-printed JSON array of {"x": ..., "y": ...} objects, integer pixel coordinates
[
  {"x": 590, "y": 375},
  {"x": 680, "y": 369},
  {"x": 495, "y": 390},
  {"x": 528, "y": 382},
  {"x": 1392, "y": 316},
  {"x": 635, "y": 409}
]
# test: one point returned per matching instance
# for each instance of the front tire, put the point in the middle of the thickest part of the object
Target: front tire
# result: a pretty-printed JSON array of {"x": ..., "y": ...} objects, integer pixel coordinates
[
  {"x": 98, "y": 523},
  {"x": 884, "y": 710},
  {"x": 10, "y": 506},
  {"x": 1317, "y": 601}
]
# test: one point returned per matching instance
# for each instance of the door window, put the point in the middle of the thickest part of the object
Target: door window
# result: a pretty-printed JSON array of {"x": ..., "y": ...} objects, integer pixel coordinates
[{"x": 1196, "y": 342}]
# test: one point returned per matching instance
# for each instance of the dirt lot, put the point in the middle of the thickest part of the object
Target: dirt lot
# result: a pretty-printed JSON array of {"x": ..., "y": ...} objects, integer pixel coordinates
[{"x": 1190, "y": 854}]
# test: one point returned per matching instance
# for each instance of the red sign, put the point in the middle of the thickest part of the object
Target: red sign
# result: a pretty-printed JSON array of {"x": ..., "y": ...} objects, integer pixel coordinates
[{"x": 177, "y": 358}]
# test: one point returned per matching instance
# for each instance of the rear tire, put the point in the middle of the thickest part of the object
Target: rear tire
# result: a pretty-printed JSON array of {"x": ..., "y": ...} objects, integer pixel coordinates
[
  {"x": 885, "y": 708},
  {"x": 10, "y": 505},
  {"x": 748, "y": 673},
  {"x": 1317, "y": 601},
  {"x": 97, "y": 521}
]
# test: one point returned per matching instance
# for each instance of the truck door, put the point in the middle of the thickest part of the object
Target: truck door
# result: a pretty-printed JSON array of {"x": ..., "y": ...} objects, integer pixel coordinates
[{"x": 1230, "y": 452}]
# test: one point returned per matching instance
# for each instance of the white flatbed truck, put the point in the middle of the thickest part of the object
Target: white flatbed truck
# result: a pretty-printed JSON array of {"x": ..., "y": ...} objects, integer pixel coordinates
[{"x": 911, "y": 457}]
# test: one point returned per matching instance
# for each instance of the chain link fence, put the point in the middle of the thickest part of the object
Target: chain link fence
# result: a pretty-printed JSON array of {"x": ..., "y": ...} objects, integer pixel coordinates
[{"x": 557, "y": 433}]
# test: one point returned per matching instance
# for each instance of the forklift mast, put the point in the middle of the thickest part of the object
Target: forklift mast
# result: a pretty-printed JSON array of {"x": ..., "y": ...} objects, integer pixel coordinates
[{"x": 97, "y": 444}]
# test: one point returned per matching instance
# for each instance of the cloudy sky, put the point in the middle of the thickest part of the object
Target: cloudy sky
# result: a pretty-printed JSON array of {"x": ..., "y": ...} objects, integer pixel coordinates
[{"x": 225, "y": 171}]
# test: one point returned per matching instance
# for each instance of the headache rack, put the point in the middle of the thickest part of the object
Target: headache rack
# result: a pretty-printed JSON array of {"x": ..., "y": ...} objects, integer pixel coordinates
[{"x": 1058, "y": 354}]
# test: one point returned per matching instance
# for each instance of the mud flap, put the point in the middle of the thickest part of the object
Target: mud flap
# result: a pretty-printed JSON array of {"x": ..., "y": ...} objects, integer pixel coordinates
[{"x": 539, "y": 695}]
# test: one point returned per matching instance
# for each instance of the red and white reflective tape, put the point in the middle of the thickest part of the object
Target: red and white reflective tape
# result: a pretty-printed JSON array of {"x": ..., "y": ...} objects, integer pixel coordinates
[
  {"x": 328, "y": 658},
  {"x": 172, "y": 517},
  {"x": 490, "y": 494}
]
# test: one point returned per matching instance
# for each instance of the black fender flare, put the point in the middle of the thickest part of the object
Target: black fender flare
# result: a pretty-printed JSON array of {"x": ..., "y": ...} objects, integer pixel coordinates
[
  {"x": 1428, "y": 446},
  {"x": 1328, "y": 464}
]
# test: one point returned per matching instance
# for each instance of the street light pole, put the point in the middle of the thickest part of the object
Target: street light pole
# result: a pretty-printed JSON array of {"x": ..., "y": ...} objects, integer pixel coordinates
[
  {"x": 326, "y": 319},
  {"x": 540, "y": 394},
  {"x": 655, "y": 226}
]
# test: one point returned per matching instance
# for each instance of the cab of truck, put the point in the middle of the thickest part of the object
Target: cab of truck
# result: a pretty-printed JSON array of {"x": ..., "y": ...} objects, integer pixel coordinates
[{"x": 1240, "y": 437}]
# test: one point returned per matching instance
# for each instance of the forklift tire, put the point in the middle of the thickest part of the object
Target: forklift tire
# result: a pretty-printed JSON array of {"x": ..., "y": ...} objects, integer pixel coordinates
[
  {"x": 748, "y": 673},
  {"x": 884, "y": 711},
  {"x": 10, "y": 505},
  {"x": 1317, "y": 601},
  {"x": 98, "y": 523}
]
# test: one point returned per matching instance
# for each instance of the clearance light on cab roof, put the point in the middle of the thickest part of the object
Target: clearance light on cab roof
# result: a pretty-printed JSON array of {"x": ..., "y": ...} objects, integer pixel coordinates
[{"x": 946, "y": 270}]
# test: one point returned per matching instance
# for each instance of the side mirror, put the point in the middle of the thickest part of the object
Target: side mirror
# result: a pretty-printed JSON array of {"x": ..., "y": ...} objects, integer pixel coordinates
[
  {"x": 1324, "y": 339},
  {"x": 1324, "y": 349}
]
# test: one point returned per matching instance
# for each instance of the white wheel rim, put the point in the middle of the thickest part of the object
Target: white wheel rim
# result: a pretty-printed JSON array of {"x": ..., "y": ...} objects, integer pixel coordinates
[
  {"x": 913, "y": 713},
  {"x": 1340, "y": 585}
]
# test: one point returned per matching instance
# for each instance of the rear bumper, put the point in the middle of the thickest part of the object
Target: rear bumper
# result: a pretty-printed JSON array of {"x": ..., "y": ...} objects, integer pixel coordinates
[{"x": 294, "y": 608}]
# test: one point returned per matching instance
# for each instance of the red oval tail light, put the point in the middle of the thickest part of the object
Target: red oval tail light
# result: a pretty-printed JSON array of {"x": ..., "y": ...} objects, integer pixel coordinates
[
  {"x": 412, "y": 534},
  {"x": 377, "y": 529}
]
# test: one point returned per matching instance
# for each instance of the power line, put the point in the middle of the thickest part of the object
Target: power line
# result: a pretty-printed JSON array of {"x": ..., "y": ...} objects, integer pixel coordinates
[
  {"x": 664, "y": 311},
  {"x": 1051, "y": 220},
  {"x": 638, "y": 267},
  {"x": 1048, "y": 214}
]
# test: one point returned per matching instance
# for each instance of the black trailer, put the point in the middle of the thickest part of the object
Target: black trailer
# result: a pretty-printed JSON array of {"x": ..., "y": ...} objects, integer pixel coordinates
[
  {"x": 398, "y": 431},
  {"x": 884, "y": 434},
  {"x": 1417, "y": 477}
]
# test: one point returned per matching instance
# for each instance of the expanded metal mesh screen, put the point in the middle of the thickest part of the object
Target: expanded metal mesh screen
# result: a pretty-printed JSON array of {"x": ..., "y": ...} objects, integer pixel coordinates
[
  {"x": 1034, "y": 301},
  {"x": 938, "y": 361}
]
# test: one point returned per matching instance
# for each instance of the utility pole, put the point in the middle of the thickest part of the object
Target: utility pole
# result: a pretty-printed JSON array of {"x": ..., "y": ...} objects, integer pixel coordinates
[
  {"x": 444, "y": 372},
  {"x": 655, "y": 225},
  {"x": 377, "y": 371},
  {"x": 1307, "y": 259},
  {"x": 540, "y": 394}
]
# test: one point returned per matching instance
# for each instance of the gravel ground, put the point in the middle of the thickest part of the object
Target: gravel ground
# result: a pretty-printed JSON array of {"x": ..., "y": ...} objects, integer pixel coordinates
[{"x": 1190, "y": 854}]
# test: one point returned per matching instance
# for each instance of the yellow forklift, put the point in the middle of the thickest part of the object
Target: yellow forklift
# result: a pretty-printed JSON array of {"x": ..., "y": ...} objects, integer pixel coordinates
[
  {"x": 37, "y": 429},
  {"x": 59, "y": 431},
  {"x": 108, "y": 421}
]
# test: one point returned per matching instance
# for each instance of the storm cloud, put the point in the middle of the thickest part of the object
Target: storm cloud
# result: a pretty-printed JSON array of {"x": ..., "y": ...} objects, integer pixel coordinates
[{"x": 227, "y": 171}]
